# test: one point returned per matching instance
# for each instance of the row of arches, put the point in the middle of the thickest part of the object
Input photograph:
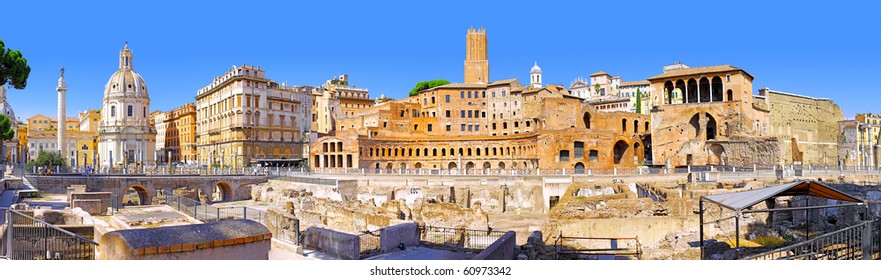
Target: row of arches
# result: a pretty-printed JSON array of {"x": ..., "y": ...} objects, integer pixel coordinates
[
  {"x": 136, "y": 195},
  {"x": 697, "y": 91},
  {"x": 470, "y": 165},
  {"x": 442, "y": 152}
]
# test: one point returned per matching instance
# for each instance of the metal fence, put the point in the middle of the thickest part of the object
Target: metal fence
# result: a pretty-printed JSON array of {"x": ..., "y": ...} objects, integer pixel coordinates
[
  {"x": 370, "y": 243},
  {"x": 596, "y": 246},
  {"x": 753, "y": 170},
  {"x": 282, "y": 228},
  {"x": 860, "y": 241},
  {"x": 292, "y": 177},
  {"x": 458, "y": 238},
  {"x": 29, "y": 238}
]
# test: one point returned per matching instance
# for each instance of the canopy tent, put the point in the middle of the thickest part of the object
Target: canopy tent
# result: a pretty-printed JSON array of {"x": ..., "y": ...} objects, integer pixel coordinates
[{"x": 740, "y": 202}]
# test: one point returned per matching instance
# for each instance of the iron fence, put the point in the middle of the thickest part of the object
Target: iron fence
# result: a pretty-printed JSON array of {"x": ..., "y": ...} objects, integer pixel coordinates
[
  {"x": 370, "y": 243},
  {"x": 282, "y": 228},
  {"x": 29, "y": 238},
  {"x": 596, "y": 246},
  {"x": 458, "y": 238},
  {"x": 860, "y": 241}
]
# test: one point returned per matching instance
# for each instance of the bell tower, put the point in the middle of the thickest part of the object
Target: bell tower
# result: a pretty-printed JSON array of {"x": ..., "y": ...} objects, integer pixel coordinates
[{"x": 476, "y": 64}]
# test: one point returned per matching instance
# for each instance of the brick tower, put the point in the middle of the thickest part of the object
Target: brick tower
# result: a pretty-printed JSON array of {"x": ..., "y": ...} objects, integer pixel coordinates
[{"x": 476, "y": 64}]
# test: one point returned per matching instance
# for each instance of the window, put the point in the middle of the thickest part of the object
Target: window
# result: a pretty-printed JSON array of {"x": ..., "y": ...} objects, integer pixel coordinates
[
  {"x": 448, "y": 112},
  {"x": 593, "y": 156},
  {"x": 564, "y": 155},
  {"x": 483, "y": 93},
  {"x": 145, "y": 112},
  {"x": 112, "y": 111},
  {"x": 129, "y": 110},
  {"x": 483, "y": 114},
  {"x": 463, "y": 127},
  {"x": 448, "y": 127},
  {"x": 579, "y": 150},
  {"x": 432, "y": 100},
  {"x": 463, "y": 114},
  {"x": 728, "y": 78},
  {"x": 448, "y": 99},
  {"x": 461, "y": 94},
  {"x": 470, "y": 114},
  {"x": 476, "y": 127},
  {"x": 429, "y": 127},
  {"x": 469, "y": 94}
]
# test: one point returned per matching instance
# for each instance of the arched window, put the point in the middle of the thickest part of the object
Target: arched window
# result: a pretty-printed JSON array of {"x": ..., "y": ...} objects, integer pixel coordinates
[
  {"x": 130, "y": 113},
  {"x": 112, "y": 111},
  {"x": 624, "y": 125},
  {"x": 586, "y": 120}
]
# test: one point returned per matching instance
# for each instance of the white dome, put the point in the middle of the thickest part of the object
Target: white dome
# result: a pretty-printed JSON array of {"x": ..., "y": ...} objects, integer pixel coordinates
[
  {"x": 126, "y": 81},
  {"x": 535, "y": 69}
]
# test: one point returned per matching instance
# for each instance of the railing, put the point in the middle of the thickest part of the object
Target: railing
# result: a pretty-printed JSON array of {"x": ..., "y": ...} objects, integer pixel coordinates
[
  {"x": 290, "y": 177},
  {"x": 33, "y": 239},
  {"x": 474, "y": 240},
  {"x": 596, "y": 246},
  {"x": 282, "y": 228},
  {"x": 370, "y": 243},
  {"x": 725, "y": 171},
  {"x": 860, "y": 241}
]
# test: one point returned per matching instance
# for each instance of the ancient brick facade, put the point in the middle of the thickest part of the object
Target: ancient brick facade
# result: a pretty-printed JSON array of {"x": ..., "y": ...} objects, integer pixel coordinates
[
  {"x": 707, "y": 116},
  {"x": 806, "y": 128}
]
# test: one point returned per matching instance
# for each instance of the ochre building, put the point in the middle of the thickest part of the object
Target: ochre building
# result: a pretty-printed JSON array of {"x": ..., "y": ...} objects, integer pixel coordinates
[
  {"x": 707, "y": 116},
  {"x": 480, "y": 127},
  {"x": 244, "y": 119}
]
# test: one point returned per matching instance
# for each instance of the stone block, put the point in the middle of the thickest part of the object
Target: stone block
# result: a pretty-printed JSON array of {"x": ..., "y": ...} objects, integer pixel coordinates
[{"x": 91, "y": 206}]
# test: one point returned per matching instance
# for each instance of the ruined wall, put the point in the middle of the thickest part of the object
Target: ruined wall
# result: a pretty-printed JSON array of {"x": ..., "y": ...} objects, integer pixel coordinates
[
  {"x": 698, "y": 134},
  {"x": 649, "y": 230},
  {"x": 811, "y": 122}
]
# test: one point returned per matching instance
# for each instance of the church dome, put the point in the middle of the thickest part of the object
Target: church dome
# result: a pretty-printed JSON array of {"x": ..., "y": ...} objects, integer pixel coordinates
[
  {"x": 535, "y": 69},
  {"x": 126, "y": 81}
]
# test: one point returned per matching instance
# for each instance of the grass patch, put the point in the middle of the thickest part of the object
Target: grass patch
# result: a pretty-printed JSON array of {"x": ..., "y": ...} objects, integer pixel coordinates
[{"x": 761, "y": 241}]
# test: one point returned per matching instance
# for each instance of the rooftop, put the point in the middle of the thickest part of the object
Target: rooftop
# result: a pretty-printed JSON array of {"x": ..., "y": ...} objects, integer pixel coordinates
[{"x": 698, "y": 70}]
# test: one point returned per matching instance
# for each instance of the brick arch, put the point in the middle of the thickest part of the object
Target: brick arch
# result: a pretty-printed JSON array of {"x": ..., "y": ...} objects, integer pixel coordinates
[
  {"x": 144, "y": 194},
  {"x": 225, "y": 192}
]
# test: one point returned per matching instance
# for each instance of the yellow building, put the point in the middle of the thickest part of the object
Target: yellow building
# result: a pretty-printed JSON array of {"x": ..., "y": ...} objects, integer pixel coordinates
[
  {"x": 245, "y": 118},
  {"x": 180, "y": 134},
  {"x": 336, "y": 99}
]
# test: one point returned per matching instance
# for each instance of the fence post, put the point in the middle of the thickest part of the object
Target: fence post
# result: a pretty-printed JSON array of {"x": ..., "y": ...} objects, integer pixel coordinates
[
  {"x": 10, "y": 224},
  {"x": 867, "y": 241},
  {"x": 297, "y": 235}
]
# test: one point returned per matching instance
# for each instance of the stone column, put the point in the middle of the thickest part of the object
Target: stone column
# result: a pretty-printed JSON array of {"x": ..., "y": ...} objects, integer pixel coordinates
[{"x": 62, "y": 116}]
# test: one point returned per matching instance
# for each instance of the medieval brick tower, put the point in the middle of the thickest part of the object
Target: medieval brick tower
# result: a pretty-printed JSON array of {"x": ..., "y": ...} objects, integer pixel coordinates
[{"x": 476, "y": 64}]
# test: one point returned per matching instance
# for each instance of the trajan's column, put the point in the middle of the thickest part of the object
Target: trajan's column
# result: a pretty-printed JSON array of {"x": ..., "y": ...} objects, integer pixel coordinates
[{"x": 62, "y": 116}]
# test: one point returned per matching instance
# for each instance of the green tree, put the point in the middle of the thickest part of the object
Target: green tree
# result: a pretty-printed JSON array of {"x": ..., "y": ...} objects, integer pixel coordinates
[
  {"x": 7, "y": 132},
  {"x": 427, "y": 85},
  {"x": 596, "y": 89},
  {"x": 638, "y": 101},
  {"x": 45, "y": 158},
  {"x": 14, "y": 68}
]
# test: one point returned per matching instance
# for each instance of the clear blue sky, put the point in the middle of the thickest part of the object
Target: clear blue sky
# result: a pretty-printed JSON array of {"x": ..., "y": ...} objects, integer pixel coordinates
[{"x": 828, "y": 49}]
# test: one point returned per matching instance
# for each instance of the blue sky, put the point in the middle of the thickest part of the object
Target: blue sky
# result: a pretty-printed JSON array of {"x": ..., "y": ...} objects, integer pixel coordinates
[{"x": 823, "y": 49}]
